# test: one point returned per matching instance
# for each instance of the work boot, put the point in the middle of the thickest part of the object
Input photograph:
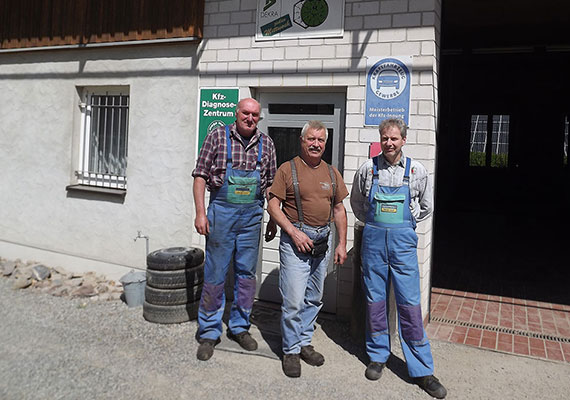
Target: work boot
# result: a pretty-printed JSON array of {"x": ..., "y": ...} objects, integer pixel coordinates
[
  {"x": 206, "y": 349},
  {"x": 291, "y": 365},
  {"x": 312, "y": 357},
  {"x": 374, "y": 370},
  {"x": 245, "y": 340},
  {"x": 432, "y": 386}
]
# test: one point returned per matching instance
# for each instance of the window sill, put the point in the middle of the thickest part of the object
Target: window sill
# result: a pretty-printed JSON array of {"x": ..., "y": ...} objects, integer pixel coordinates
[{"x": 96, "y": 189}]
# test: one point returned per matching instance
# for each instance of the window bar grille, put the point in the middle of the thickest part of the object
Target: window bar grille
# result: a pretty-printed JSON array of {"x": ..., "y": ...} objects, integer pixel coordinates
[
  {"x": 126, "y": 141},
  {"x": 566, "y": 124},
  {"x": 84, "y": 138},
  {"x": 498, "y": 133},
  {"x": 500, "y": 129},
  {"x": 118, "y": 148},
  {"x": 479, "y": 133},
  {"x": 101, "y": 163},
  {"x": 109, "y": 154}
]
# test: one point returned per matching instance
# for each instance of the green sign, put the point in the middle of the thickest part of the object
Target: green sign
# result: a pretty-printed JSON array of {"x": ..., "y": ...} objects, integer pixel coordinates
[
  {"x": 217, "y": 108},
  {"x": 274, "y": 27}
]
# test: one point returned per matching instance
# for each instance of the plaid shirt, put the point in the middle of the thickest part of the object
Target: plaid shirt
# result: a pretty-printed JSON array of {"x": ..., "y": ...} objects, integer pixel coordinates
[{"x": 211, "y": 163}]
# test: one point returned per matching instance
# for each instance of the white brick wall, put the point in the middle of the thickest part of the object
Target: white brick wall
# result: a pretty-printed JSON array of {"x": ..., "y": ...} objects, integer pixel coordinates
[{"x": 230, "y": 56}]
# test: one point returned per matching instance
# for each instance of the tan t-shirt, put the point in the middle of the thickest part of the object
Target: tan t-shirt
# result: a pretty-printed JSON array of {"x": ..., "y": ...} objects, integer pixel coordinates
[{"x": 315, "y": 188}]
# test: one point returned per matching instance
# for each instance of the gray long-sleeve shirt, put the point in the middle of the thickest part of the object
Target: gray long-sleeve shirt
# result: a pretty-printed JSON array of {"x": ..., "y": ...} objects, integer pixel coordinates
[{"x": 421, "y": 191}]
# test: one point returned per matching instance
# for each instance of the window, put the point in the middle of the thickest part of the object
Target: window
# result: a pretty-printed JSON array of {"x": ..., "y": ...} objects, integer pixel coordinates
[
  {"x": 104, "y": 138},
  {"x": 566, "y": 141},
  {"x": 287, "y": 144},
  {"x": 489, "y": 140}
]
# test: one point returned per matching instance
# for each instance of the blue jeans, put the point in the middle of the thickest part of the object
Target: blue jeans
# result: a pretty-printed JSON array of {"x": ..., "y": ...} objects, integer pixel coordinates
[{"x": 301, "y": 283}]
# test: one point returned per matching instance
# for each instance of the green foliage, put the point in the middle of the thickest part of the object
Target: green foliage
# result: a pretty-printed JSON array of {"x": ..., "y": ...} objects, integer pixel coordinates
[
  {"x": 477, "y": 159},
  {"x": 500, "y": 160}
]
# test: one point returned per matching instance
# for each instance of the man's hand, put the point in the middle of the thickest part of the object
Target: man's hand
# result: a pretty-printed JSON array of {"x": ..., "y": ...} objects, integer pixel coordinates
[
  {"x": 202, "y": 225},
  {"x": 300, "y": 239},
  {"x": 340, "y": 254},
  {"x": 270, "y": 231},
  {"x": 303, "y": 243},
  {"x": 201, "y": 222}
]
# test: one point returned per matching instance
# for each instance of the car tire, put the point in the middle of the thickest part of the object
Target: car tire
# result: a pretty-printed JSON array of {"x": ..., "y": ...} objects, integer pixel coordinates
[
  {"x": 170, "y": 314},
  {"x": 175, "y": 279},
  {"x": 172, "y": 297},
  {"x": 174, "y": 258}
]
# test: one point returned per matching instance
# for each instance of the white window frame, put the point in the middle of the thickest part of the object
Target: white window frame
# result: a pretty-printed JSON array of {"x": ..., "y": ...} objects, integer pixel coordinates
[{"x": 115, "y": 177}]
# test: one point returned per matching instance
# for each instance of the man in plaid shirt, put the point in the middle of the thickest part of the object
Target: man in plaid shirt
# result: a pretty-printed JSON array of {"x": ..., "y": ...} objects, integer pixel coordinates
[{"x": 237, "y": 164}]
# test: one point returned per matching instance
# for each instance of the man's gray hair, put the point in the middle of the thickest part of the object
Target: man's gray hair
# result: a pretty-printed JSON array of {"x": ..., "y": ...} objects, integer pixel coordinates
[
  {"x": 315, "y": 125},
  {"x": 394, "y": 122}
]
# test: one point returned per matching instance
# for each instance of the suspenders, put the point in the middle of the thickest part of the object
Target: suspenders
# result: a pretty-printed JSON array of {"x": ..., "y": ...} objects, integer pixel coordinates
[
  {"x": 406, "y": 180},
  {"x": 298, "y": 195}
]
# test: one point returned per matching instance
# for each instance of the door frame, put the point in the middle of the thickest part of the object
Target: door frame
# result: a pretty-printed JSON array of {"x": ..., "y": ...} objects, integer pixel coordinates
[{"x": 335, "y": 121}]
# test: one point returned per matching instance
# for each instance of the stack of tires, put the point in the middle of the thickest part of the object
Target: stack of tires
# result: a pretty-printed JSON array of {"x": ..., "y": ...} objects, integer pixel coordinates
[{"x": 174, "y": 279}]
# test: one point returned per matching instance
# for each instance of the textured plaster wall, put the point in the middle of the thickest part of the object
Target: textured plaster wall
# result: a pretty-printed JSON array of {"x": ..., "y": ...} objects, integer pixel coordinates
[
  {"x": 39, "y": 139},
  {"x": 230, "y": 56}
]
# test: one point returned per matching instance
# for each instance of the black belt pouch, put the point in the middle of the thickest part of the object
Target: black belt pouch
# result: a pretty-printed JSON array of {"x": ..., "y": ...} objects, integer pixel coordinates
[{"x": 320, "y": 247}]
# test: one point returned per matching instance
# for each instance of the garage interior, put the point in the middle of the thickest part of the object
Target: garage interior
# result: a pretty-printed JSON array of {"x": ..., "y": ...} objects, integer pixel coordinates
[{"x": 502, "y": 181}]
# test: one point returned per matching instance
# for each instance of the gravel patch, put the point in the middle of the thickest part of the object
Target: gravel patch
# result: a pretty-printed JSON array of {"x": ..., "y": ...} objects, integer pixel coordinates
[{"x": 71, "y": 348}]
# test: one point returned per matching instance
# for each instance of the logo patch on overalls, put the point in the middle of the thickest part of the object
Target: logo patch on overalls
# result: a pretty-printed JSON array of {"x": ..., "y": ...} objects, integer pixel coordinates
[
  {"x": 387, "y": 208},
  {"x": 244, "y": 191}
]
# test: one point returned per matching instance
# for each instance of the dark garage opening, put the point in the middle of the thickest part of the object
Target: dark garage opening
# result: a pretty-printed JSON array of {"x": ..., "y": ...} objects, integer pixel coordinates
[{"x": 502, "y": 190}]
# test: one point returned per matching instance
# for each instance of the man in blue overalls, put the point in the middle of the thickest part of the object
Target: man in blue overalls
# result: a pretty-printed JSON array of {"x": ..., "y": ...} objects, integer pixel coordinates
[
  {"x": 390, "y": 193},
  {"x": 237, "y": 163}
]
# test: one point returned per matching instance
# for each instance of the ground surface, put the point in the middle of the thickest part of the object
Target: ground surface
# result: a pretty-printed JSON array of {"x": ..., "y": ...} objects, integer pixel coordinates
[{"x": 60, "y": 348}]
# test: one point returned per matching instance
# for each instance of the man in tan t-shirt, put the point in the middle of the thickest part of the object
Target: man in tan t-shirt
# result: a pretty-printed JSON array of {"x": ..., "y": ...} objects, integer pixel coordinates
[{"x": 305, "y": 247}]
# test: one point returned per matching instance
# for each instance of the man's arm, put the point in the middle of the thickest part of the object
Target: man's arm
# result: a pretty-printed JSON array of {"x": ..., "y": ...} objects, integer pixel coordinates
[
  {"x": 201, "y": 222},
  {"x": 271, "y": 229},
  {"x": 340, "y": 223},
  {"x": 301, "y": 240},
  {"x": 358, "y": 198},
  {"x": 425, "y": 197}
]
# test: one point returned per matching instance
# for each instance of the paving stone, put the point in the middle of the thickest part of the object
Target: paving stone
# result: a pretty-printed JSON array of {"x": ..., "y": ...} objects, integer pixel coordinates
[
  {"x": 84, "y": 291},
  {"x": 22, "y": 272},
  {"x": 40, "y": 272},
  {"x": 21, "y": 283},
  {"x": 60, "y": 282},
  {"x": 74, "y": 281},
  {"x": 8, "y": 268},
  {"x": 61, "y": 271}
]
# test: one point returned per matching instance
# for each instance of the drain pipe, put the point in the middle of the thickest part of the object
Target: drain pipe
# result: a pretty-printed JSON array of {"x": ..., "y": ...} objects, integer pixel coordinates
[{"x": 145, "y": 237}]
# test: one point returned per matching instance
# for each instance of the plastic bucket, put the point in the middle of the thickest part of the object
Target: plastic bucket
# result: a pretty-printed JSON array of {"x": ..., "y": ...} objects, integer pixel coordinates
[{"x": 133, "y": 287}]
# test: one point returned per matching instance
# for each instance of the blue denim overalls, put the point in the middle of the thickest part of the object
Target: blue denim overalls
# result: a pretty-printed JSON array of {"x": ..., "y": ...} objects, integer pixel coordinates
[
  {"x": 234, "y": 214},
  {"x": 389, "y": 249}
]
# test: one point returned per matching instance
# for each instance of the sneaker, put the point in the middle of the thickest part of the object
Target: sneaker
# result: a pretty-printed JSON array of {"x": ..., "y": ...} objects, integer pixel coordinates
[
  {"x": 374, "y": 370},
  {"x": 206, "y": 349},
  {"x": 291, "y": 365},
  {"x": 245, "y": 340},
  {"x": 312, "y": 357},
  {"x": 432, "y": 386}
]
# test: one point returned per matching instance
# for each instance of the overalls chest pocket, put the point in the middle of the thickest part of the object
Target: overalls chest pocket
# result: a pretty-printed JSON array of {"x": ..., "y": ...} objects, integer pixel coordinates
[
  {"x": 241, "y": 189},
  {"x": 389, "y": 208}
]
